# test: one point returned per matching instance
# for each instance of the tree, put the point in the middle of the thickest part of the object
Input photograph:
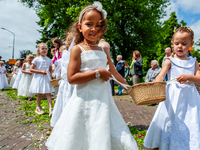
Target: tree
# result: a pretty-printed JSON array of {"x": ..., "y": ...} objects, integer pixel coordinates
[
  {"x": 24, "y": 53},
  {"x": 131, "y": 24}
]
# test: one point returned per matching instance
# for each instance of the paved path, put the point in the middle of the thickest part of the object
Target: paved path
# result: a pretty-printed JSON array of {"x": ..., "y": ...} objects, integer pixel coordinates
[{"x": 14, "y": 135}]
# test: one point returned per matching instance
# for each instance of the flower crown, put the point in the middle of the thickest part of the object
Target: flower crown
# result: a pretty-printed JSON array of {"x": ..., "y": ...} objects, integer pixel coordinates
[{"x": 98, "y": 6}]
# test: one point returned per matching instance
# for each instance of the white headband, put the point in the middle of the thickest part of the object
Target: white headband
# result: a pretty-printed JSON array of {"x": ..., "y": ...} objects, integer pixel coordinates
[{"x": 97, "y": 5}]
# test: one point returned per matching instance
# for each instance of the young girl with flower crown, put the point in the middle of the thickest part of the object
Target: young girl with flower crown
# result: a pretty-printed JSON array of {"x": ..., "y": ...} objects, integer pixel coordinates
[
  {"x": 176, "y": 123},
  {"x": 91, "y": 120},
  {"x": 3, "y": 78},
  {"x": 26, "y": 79},
  {"x": 40, "y": 84}
]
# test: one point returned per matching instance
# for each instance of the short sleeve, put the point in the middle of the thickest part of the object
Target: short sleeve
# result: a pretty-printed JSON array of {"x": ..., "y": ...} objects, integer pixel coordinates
[{"x": 35, "y": 61}]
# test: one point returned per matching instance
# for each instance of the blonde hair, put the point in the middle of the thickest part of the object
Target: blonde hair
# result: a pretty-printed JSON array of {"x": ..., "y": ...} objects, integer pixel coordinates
[
  {"x": 1, "y": 62},
  {"x": 63, "y": 47},
  {"x": 38, "y": 48},
  {"x": 17, "y": 64},
  {"x": 182, "y": 30},
  {"x": 29, "y": 57}
]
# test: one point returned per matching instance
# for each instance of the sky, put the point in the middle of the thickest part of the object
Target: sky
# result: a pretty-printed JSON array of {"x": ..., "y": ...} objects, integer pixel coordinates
[{"x": 21, "y": 20}]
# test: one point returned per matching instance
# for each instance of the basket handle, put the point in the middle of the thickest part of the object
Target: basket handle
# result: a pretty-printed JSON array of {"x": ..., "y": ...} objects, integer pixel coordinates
[{"x": 126, "y": 86}]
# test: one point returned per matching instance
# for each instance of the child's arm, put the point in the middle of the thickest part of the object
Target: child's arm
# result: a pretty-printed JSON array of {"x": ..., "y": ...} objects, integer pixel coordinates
[
  {"x": 76, "y": 77},
  {"x": 166, "y": 66},
  {"x": 113, "y": 70},
  {"x": 50, "y": 70},
  {"x": 14, "y": 70},
  {"x": 23, "y": 70},
  {"x": 192, "y": 78},
  {"x": 32, "y": 69}
]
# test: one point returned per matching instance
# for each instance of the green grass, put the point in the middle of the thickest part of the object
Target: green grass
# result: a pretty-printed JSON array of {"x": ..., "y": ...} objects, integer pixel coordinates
[{"x": 30, "y": 106}]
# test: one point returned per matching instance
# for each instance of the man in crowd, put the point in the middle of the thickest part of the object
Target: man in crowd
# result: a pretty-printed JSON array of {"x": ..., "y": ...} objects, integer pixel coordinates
[
  {"x": 120, "y": 69},
  {"x": 153, "y": 71}
]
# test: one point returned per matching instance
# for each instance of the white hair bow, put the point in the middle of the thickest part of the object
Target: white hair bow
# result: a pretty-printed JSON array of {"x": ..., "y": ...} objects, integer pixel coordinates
[{"x": 96, "y": 5}]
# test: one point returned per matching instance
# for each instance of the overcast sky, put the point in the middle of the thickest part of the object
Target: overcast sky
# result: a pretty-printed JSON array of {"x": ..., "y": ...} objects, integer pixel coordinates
[{"x": 22, "y": 21}]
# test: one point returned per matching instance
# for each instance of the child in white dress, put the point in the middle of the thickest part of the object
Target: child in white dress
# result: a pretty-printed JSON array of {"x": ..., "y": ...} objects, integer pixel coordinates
[
  {"x": 91, "y": 120},
  {"x": 40, "y": 83},
  {"x": 65, "y": 89},
  {"x": 3, "y": 78},
  {"x": 176, "y": 123},
  {"x": 15, "y": 72},
  {"x": 19, "y": 75},
  {"x": 26, "y": 79}
]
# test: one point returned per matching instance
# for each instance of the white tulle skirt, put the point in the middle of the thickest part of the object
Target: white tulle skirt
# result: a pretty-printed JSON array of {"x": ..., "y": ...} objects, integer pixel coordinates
[
  {"x": 91, "y": 121},
  {"x": 3, "y": 81},
  {"x": 17, "y": 80},
  {"x": 13, "y": 79},
  {"x": 64, "y": 94},
  {"x": 24, "y": 85},
  {"x": 41, "y": 84}
]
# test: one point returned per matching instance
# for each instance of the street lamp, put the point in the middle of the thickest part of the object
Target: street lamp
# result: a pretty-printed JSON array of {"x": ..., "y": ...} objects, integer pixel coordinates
[{"x": 13, "y": 41}]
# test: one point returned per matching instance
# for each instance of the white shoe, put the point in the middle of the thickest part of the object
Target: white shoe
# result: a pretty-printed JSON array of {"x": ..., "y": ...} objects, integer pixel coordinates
[
  {"x": 50, "y": 112},
  {"x": 39, "y": 111}
]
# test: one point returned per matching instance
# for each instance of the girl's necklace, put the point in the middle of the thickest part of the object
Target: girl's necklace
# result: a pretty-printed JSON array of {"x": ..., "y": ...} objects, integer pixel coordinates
[{"x": 90, "y": 44}]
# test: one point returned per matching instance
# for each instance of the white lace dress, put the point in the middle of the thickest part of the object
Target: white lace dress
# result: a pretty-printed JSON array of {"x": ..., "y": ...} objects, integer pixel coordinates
[
  {"x": 65, "y": 89},
  {"x": 91, "y": 120},
  {"x": 3, "y": 78},
  {"x": 176, "y": 123},
  {"x": 25, "y": 83}
]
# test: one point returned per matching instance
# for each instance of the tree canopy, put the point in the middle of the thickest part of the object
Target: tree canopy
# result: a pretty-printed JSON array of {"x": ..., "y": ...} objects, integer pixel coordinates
[{"x": 24, "y": 53}]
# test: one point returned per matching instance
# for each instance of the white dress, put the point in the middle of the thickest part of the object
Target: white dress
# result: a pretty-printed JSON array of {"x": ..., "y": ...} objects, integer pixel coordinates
[
  {"x": 13, "y": 77},
  {"x": 91, "y": 120},
  {"x": 3, "y": 78},
  {"x": 41, "y": 83},
  {"x": 25, "y": 82},
  {"x": 176, "y": 123},
  {"x": 65, "y": 89},
  {"x": 18, "y": 78}
]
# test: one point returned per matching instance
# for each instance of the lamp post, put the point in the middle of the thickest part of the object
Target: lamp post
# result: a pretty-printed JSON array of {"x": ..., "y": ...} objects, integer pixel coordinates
[{"x": 13, "y": 41}]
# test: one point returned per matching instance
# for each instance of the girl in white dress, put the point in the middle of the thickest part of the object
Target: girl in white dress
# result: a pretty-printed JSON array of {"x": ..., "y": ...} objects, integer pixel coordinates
[
  {"x": 19, "y": 75},
  {"x": 91, "y": 120},
  {"x": 40, "y": 83},
  {"x": 26, "y": 79},
  {"x": 176, "y": 123},
  {"x": 65, "y": 89},
  {"x": 15, "y": 72},
  {"x": 3, "y": 78}
]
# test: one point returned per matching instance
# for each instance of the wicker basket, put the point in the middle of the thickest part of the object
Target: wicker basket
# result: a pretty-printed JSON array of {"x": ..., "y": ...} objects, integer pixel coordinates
[
  {"x": 9, "y": 74},
  {"x": 54, "y": 82},
  {"x": 148, "y": 93}
]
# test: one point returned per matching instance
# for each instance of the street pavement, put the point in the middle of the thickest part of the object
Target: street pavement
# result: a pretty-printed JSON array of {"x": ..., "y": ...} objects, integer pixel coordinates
[{"x": 14, "y": 135}]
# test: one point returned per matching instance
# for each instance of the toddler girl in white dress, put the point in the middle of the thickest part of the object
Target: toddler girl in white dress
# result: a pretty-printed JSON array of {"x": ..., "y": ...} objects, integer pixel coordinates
[
  {"x": 26, "y": 79},
  {"x": 40, "y": 83},
  {"x": 15, "y": 72},
  {"x": 176, "y": 123}
]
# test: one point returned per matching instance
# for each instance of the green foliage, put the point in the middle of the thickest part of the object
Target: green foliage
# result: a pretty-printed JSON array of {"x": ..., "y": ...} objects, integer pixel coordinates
[{"x": 24, "y": 53}]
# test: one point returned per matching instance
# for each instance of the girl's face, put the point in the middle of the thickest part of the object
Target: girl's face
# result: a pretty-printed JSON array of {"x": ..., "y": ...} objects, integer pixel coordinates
[
  {"x": 55, "y": 45},
  {"x": 182, "y": 42},
  {"x": 90, "y": 26},
  {"x": 43, "y": 50}
]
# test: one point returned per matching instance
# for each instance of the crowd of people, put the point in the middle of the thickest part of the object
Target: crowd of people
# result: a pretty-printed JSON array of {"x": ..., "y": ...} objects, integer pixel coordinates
[{"x": 85, "y": 115}]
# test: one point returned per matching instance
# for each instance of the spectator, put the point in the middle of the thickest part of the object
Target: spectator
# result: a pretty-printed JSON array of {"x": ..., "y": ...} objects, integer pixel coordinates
[
  {"x": 168, "y": 53},
  {"x": 153, "y": 71},
  {"x": 136, "y": 67},
  {"x": 120, "y": 69}
]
